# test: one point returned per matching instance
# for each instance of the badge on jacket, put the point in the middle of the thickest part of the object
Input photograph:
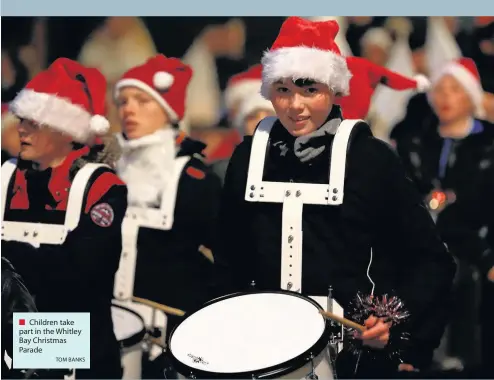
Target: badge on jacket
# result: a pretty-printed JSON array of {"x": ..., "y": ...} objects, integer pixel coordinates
[{"x": 102, "y": 215}]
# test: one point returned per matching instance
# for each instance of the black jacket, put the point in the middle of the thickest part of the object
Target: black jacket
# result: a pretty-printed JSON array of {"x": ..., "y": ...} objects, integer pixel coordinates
[
  {"x": 382, "y": 209},
  {"x": 467, "y": 224},
  {"x": 77, "y": 276},
  {"x": 16, "y": 298},
  {"x": 170, "y": 268}
]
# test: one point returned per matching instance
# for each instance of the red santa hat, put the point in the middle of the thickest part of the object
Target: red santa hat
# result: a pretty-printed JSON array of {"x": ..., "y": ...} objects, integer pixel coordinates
[
  {"x": 366, "y": 77},
  {"x": 242, "y": 85},
  {"x": 464, "y": 70},
  {"x": 483, "y": 21},
  {"x": 165, "y": 79},
  {"x": 306, "y": 50},
  {"x": 67, "y": 97}
]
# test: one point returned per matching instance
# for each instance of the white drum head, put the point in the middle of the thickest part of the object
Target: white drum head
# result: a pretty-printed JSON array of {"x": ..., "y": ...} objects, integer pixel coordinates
[
  {"x": 247, "y": 333},
  {"x": 126, "y": 324}
]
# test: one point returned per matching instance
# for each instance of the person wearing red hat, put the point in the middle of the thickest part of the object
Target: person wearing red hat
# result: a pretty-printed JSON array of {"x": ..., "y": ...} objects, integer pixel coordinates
[
  {"x": 450, "y": 158},
  {"x": 247, "y": 108},
  {"x": 63, "y": 205},
  {"x": 316, "y": 202},
  {"x": 173, "y": 195},
  {"x": 366, "y": 76}
]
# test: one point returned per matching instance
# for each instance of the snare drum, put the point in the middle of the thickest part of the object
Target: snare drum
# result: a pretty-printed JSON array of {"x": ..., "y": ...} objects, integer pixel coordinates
[
  {"x": 253, "y": 335},
  {"x": 130, "y": 331}
]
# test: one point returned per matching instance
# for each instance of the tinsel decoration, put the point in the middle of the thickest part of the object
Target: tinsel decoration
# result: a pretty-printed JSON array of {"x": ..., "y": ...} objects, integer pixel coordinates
[{"x": 391, "y": 309}]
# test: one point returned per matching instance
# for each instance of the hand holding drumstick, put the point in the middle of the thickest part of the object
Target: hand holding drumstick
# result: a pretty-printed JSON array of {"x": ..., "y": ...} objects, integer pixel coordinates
[{"x": 374, "y": 333}]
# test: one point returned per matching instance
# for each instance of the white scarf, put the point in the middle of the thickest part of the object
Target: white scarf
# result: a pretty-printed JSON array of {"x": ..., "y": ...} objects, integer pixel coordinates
[{"x": 146, "y": 166}]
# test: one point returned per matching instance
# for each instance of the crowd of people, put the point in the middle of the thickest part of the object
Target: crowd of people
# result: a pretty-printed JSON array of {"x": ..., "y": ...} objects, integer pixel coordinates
[{"x": 381, "y": 129}]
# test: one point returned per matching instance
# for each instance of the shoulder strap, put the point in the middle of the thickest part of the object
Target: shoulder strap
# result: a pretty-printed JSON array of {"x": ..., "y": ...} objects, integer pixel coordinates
[
  {"x": 339, "y": 150},
  {"x": 169, "y": 197},
  {"x": 258, "y": 153},
  {"x": 8, "y": 171},
  {"x": 78, "y": 192}
]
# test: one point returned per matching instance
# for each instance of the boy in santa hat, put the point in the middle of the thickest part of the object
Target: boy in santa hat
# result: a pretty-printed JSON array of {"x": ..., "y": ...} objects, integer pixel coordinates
[
  {"x": 173, "y": 195},
  {"x": 63, "y": 205},
  {"x": 450, "y": 158},
  {"x": 300, "y": 213}
]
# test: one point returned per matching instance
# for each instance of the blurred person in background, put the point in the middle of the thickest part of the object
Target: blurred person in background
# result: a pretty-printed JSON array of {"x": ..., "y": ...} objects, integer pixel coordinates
[
  {"x": 448, "y": 43},
  {"x": 119, "y": 44},
  {"x": 165, "y": 172},
  {"x": 357, "y": 27},
  {"x": 375, "y": 45},
  {"x": 217, "y": 43},
  {"x": 14, "y": 74},
  {"x": 451, "y": 159},
  {"x": 61, "y": 120},
  {"x": 483, "y": 50},
  {"x": 204, "y": 94},
  {"x": 247, "y": 108},
  {"x": 483, "y": 55},
  {"x": 10, "y": 137}
]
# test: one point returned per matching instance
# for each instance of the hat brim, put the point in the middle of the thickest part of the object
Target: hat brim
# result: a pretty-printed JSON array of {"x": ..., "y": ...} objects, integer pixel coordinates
[
  {"x": 54, "y": 112},
  {"x": 130, "y": 82},
  {"x": 303, "y": 62}
]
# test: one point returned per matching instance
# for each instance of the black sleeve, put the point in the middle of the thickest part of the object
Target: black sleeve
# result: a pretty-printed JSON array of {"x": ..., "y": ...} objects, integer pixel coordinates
[
  {"x": 231, "y": 250},
  {"x": 15, "y": 299},
  {"x": 418, "y": 109},
  {"x": 468, "y": 243},
  {"x": 426, "y": 268},
  {"x": 90, "y": 253}
]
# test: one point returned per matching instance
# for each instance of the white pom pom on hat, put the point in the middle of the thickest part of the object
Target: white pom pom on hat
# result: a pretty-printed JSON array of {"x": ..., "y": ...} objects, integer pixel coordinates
[
  {"x": 423, "y": 83},
  {"x": 162, "y": 80},
  {"x": 99, "y": 125}
]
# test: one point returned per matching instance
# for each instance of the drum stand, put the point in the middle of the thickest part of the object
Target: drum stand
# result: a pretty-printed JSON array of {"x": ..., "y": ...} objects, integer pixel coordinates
[{"x": 336, "y": 335}]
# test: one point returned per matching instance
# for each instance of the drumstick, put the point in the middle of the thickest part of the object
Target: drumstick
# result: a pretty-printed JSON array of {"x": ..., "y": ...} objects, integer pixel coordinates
[
  {"x": 156, "y": 305},
  {"x": 208, "y": 254},
  {"x": 157, "y": 342},
  {"x": 343, "y": 321}
]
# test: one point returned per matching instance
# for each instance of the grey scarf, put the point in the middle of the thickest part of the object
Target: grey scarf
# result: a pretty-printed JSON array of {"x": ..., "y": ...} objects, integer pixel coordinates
[{"x": 309, "y": 146}]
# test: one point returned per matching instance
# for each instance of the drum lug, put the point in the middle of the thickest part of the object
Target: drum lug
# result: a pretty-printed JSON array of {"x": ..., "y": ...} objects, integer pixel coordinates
[
  {"x": 312, "y": 374},
  {"x": 192, "y": 376}
]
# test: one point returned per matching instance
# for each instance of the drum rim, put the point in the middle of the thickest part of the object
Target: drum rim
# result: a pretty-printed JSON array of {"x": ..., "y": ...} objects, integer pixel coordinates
[
  {"x": 135, "y": 338},
  {"x": 265, "y": 373}
]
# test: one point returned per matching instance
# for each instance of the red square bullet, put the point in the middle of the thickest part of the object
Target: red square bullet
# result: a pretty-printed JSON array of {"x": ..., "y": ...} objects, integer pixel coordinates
[{"x": 22, "y": 322}]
